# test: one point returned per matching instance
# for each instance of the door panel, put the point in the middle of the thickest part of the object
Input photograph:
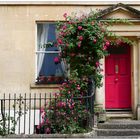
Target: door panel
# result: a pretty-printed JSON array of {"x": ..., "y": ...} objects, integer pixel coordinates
[
  {"x": 111, "y": 96},
  {"x": 124, "y": 96},
  {"x": 110, "y": 63},
  {"x": 123, "y": 66},
  {"x": 117, "y": 80}
]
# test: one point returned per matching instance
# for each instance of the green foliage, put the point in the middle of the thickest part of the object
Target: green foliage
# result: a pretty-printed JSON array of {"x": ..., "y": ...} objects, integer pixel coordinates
[
  {"x": 9, "y": 128},
  {"x": 84, "y": 41},
  {"x": 67, "y": 112},
  {"x": 4, "y": 125}
]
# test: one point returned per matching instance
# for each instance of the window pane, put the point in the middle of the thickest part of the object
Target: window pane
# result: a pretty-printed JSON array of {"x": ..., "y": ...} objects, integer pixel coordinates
[
  {"x": 46, "y": 33},
  {"x": 49, "y": 68},
  {"x": 52, "y": 49},
  {"x": 52, "y": 33}
]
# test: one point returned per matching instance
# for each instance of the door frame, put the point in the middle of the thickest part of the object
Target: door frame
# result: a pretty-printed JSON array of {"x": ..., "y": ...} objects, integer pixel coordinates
[{"x": 100, "y": 92}]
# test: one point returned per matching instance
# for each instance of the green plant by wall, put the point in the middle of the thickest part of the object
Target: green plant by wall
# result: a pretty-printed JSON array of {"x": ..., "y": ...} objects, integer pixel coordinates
[
  {"x": 66, "y": 113},
  {"x": 84, "y": 41},
  {"x": 8, "y": 123}
]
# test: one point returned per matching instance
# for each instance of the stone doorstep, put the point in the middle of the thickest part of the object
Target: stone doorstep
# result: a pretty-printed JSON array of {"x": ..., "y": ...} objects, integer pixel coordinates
[
  {"x": 118, "y": 121},
  {"x": 119, "y": 115},
  {"x": 118, "y": 132},
  {"x": 120, "y": 124}
]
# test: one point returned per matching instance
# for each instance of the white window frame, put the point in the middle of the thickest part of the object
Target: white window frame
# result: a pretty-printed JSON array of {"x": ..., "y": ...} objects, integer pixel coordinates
[{"x": 36, "y": 47}]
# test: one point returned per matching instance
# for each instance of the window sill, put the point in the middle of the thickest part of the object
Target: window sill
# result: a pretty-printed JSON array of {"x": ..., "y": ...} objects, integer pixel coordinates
[{"x": 53, "y": 86}]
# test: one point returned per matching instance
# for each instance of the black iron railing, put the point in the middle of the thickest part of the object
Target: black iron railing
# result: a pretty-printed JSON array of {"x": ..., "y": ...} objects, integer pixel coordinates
[{"x": 21, "y": 114}]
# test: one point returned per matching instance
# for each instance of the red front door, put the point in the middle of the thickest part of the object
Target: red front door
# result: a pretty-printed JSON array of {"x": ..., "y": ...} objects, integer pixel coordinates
[{"x": 117, "y": 79}]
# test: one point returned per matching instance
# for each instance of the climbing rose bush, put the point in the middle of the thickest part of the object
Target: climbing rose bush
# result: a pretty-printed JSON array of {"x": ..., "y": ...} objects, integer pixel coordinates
[
  {"x": 66, "y": 113},
  {"x": 84, "y": 41}
]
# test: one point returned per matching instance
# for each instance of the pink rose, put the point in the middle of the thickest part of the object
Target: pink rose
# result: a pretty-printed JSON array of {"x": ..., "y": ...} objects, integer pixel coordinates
[
  {"x": 60, "y": 88},
  {"x": 38, "y": 127},
  {"x": 47, "y": 131},
  {"x": 43, "y": 115},
  {"x": 64, "y": 27},
  {"x": 61, "y": 104},
  {"x": 94, "y": 41},
  {"x": 75, "y": 119},
  {"x": 79, "y": 45},
  {"x": 97, "y": 64},
  {"x": 64, "y": 84},
  {"x": 107, "y": 43},
  {"x": 56, "y": 60},
  {"x": 80, "y": 38},
  {"x": 71, "y": 105},
  {"x": 42, "y": 110},
  {"x": 79, "y": 27},
  {"x": 104, "y": 47},
  {"x": 78, "y": 88},
  {"x": 65, "y": 15},
  {"x": 70, "y": 22},
  {"x": 61, "y": 33},
  {"x": 59, "y": 41},
  {"x": 47, "y": 121},
  {"x": 118, "y": 42}
]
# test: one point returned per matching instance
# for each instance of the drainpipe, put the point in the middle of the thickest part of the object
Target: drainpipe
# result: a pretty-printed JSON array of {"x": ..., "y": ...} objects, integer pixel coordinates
[{"x": 138, "y": 99}]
